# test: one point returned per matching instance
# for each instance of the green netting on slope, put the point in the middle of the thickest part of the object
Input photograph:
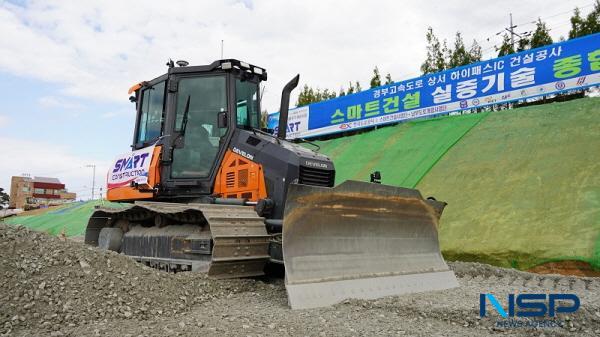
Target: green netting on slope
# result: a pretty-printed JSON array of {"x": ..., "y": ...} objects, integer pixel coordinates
[
  {"x": 523, "y": 187},
  {"x": 72, "y": 218},
  {"x": 403, "y": 153}
]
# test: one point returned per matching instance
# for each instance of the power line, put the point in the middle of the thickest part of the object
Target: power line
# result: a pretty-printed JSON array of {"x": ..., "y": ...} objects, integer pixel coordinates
[
  {"x": 483, "y": 42},
  {"x": 54, "y": 173},
  {"x": 81, "y": 190},
  {"x": 557, "y": 26},
  {"x": 550, "y": 28},
  {"x": 554, "y": 15},
  {"x": 533, "y": 22},
  {"x": 511, "y": 29}
]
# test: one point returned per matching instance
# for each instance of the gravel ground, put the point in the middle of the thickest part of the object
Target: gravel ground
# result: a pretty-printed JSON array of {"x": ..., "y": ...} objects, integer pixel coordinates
[{"x": 53, "y": 287}]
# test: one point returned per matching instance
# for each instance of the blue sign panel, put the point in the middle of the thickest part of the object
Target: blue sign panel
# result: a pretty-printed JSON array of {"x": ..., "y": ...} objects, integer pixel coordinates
[{"x": 550, "y": 69}]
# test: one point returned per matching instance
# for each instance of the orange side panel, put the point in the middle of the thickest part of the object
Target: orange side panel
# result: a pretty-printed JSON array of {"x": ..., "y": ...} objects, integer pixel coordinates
[
  {"x": 239, "y": 177},
  {"x": 132, "y": 193}
]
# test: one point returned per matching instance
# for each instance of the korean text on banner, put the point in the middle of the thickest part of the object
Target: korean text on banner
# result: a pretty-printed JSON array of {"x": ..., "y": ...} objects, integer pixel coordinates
[{"x": 555, "y": 68}]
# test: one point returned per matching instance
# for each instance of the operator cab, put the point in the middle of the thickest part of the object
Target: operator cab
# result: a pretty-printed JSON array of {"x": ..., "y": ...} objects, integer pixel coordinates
[{"x": 192, "y": 111}]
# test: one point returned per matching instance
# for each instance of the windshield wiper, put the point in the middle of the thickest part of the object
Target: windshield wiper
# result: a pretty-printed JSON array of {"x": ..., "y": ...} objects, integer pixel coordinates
[{"x": 185, "y": 116}]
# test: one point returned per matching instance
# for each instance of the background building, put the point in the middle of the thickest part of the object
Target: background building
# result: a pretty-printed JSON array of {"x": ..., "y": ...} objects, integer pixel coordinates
[{"x": 38, "y": 191}]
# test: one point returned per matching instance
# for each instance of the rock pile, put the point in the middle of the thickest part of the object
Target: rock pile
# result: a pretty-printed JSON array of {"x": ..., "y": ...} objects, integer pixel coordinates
[{"x": 51, "y": 283}]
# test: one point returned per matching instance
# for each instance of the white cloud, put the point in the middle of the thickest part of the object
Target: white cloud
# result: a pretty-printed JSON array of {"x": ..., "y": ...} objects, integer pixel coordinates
[
  {"x": 109, "y": 114},
  {"x": 118, "y": 113},
  {"x": 3, "y": 121},
  {"x": 98, "y": 48},
  {"x": 58, "y": 102},
  {"x": 41, "y": 159}
]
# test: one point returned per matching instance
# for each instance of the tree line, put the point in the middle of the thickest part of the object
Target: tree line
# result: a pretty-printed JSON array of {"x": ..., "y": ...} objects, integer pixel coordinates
[{"x": 441, "y": 57}]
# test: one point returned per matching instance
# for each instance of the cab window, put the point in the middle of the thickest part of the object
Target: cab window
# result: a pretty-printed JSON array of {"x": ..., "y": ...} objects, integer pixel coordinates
[
  {"x": 199, "y": 101},
  {"x": 246, "y": 100},
  {"x": 151, "y": 113}
]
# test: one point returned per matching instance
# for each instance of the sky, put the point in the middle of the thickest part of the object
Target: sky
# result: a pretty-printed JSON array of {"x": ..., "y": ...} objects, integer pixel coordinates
[{"x": 65, "y": 66}]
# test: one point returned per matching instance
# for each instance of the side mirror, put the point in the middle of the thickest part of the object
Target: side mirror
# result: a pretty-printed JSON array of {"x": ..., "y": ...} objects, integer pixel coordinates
[{"x": 222, "y": 120}]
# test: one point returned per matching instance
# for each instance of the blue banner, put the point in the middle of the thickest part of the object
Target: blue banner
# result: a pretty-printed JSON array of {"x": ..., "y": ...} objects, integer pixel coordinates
[{"x": 558, "y": 67}]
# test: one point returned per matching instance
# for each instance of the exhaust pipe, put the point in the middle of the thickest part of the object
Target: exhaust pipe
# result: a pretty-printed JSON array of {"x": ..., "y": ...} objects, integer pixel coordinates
[{"x": 285, "y": 103}]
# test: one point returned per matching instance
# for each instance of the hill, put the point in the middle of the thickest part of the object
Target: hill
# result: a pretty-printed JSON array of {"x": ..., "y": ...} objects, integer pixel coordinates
[
  {"x": 522, "y": 185},
  {"x": 70, "y": 219}
]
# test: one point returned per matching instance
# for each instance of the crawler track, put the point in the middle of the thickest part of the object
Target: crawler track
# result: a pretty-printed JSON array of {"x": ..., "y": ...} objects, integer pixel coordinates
[{"x": 226, "y": 241}]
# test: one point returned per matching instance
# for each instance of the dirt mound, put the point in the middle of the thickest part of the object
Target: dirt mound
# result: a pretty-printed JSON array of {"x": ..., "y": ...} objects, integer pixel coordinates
[
  {"x": 577, "y": 268},
  {"x": 53, "y": 287},
  {"x": 51, "y": 283}
]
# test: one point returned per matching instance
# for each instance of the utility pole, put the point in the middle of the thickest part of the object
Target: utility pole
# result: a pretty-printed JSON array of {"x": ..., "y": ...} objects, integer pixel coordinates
[
  {"x": 511, "y": 30},
  {"x": 221, "y": 49},
  {"x": 93, "y": 166}
]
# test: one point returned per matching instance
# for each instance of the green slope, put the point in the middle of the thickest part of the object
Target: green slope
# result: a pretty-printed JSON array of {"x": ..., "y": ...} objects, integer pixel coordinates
[
  {"x": 523, "y": 185},
  {"x": 402, "y": 153},
  {"x": 70, "y": 218}
]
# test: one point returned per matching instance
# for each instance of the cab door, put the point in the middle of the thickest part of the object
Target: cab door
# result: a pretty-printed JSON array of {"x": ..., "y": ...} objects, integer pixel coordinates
[{"x": 196, "y": 137}]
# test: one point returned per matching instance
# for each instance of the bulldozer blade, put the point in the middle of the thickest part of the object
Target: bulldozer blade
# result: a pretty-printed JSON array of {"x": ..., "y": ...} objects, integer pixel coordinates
[{"x": 360, "y": 240}]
